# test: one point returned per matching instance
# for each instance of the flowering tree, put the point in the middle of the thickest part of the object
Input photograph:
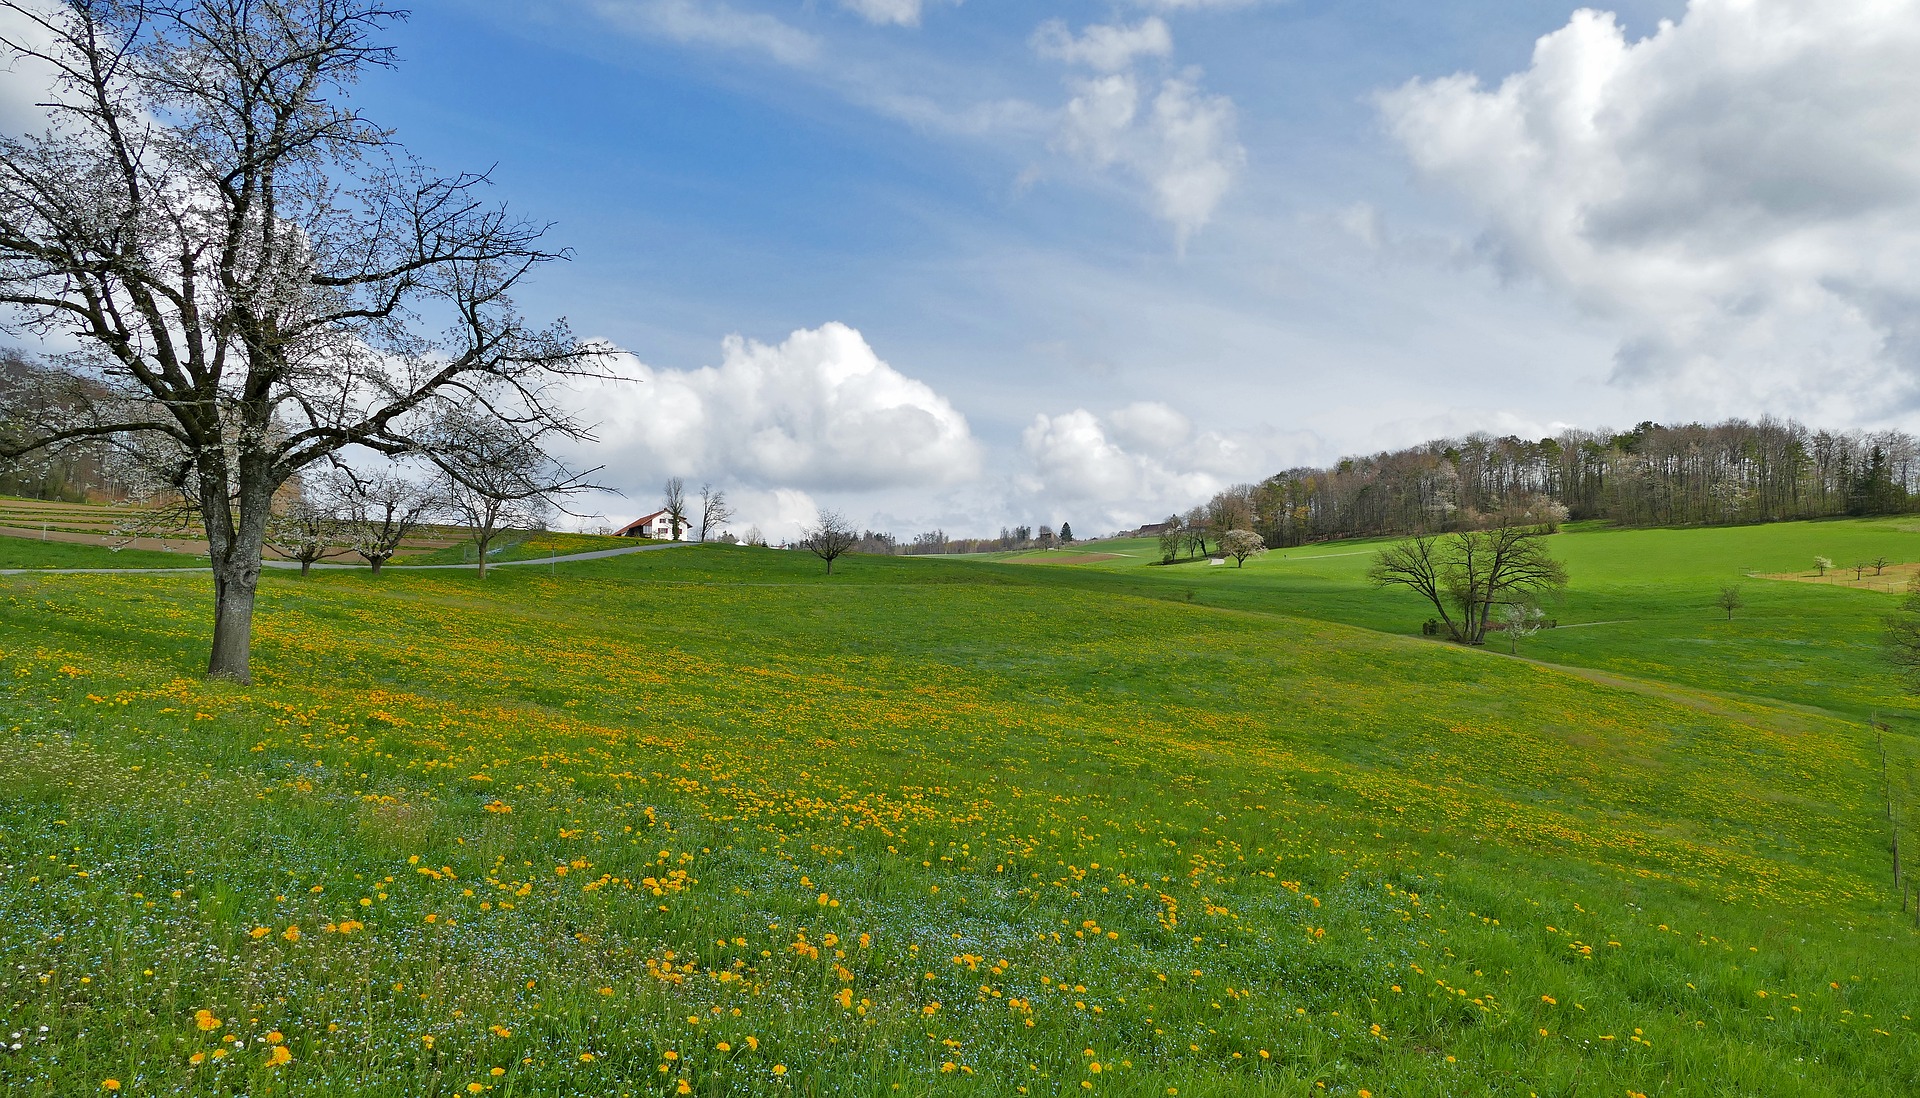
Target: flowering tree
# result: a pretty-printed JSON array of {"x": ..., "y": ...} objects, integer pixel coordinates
[
  {"x": 1241, "y": 544},
  {"x": 255, "y": 276}
]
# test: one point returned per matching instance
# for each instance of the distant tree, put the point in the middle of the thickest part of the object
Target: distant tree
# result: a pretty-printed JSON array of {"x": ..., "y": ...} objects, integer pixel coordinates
[
  {"x": 1046, "y": 537},
  {"x": 928, "y": 543},
  {"x": 1241, "y": 544},
  {"x": 1520, "y": 620},
  {"x": 1821, "y": 564},
  {"x": 830, "y": 536},
  {"x": 1860, "y": 569},
  {"x": 1880, "y": 565},
  {"x": 1195, "y": 532},
  {"x": 380, "y": 509},
  {"x": 674, "y": 503},
  {"x": 307, "y": 530},
  {"x": 715, "y": 511},
  {"x": 492, "y": 480},
  {"x": 1730, "y": 599},
  {"x": 1466, "y": 575},
  {"x": 1172, "y": 537},
  {"x": 1066, "y": 533},
  {"x": 755, "y": 537}
]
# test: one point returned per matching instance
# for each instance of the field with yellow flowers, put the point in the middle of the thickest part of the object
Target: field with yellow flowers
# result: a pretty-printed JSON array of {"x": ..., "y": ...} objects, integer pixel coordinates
[{"x": 707, "y": 821}]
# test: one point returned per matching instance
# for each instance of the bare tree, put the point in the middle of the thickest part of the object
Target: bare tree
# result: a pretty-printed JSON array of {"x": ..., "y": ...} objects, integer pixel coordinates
[
  {"x": 1241, "y": 544},
  {"x": 715, "y": 511},
  {"x": 307, "y": 530},
  {"x": 1172, "y": 537},
  {"x": 380, "y": 511},
  {"x": 1880, "y": 564},
  {"x": 493, "y": 479},
  {"x": 1466, "y": 575},
  {"x": 1195, "y": 532},
  {"x": 249, "y": 268},
  {"x": 1730, "y": 600},
  {"x": 674, "y": 503},
  {"x": 830, "y": 537}
]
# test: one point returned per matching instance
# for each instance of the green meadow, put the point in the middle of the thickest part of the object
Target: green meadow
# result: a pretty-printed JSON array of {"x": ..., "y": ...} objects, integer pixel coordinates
[{"x": 708, "y": 821}]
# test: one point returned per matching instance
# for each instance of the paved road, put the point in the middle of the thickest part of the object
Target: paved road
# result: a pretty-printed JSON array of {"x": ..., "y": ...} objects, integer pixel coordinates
[{"x": 601, "y": 554}]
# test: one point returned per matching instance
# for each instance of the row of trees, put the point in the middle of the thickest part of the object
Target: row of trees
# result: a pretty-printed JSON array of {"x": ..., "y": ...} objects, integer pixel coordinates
[
  {"x": 938, "y": 542},
  {"x": 1732, "y": 472},
  {"x": 371, "y": 515}
]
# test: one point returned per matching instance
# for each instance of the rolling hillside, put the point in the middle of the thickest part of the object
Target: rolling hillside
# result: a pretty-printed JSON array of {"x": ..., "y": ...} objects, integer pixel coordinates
[{"x": 712, "y": 822}]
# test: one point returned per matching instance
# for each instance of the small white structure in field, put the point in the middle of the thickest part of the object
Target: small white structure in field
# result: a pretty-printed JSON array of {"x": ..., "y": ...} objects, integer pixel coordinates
[{"x": 657, "y": 525}]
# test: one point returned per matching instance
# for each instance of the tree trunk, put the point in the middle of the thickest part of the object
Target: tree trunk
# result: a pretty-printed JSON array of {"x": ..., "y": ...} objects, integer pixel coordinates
[
  {"x": 375, "y": 563},
  {"x": 481, "y": 543},
  {"x": 305, "y": 567},
  {"x": 236, "y": 576}
]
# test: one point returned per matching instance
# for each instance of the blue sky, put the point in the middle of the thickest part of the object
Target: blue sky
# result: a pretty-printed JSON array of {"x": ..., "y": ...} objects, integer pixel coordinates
[{"x": 962, "y": 263}]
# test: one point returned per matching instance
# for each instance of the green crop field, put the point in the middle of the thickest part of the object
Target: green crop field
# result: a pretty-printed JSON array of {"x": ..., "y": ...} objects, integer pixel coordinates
[{"x": 708, "y": 821}]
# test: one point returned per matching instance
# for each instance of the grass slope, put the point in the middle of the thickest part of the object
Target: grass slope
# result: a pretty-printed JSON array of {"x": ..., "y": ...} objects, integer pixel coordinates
[
  {"x": 33, "y": 553},
  {"x": 710, "y": 822}
]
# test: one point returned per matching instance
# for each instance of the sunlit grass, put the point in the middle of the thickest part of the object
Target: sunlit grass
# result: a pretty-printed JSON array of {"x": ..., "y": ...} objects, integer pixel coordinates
[{"x": 711, "y": 819}]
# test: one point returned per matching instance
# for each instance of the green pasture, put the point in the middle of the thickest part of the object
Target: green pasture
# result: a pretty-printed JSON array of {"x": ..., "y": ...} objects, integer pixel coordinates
[
  {"x": 712, "y": 822},
  {"x": 518, "y": 545},
  {"x": 1640, "y": 602},
  {"x": 34, "y": 553}
]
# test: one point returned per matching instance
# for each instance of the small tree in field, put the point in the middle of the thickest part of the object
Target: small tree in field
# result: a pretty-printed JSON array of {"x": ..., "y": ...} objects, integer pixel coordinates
[
  {"x": 1066, "y": 533},
  {"x": 830, "y": 537},
  {"x": 674, "y": 503},
  {"x": 1821, "y": 564},
  {"x": 380, "y": 511},
  {"x": 1520, "y": 620},
  {"x": 1241, "y": 544},
  {"x": 1880, "y": 565},
  {"x": 494, "y": 480},
  {"x": 1730, "y": 600},
  {"x": 307, "y": 530},
  {"x": 715, "y": 512},
  {"x": 1172, "y": 538}
]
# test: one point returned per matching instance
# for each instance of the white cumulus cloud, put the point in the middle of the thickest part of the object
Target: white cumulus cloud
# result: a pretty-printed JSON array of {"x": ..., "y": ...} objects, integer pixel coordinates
[
  {"x": 817, "y": 412},
  {"x": 1141, "y": 462},
  {"x": 1740, "y": 191},
  {"x": 1177, "y": 140}
]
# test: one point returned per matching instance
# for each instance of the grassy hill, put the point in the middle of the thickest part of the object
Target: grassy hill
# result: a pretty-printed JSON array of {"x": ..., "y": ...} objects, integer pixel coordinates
[{"x": 708, "y": 821}]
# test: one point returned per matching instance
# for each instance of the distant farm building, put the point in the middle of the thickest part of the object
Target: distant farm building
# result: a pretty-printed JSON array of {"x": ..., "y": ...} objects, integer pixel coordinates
[{"x": 657, "y": 525}]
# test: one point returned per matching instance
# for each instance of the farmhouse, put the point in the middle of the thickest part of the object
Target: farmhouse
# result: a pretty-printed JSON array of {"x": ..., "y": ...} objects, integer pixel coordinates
[{"x": 657, "y": 525}]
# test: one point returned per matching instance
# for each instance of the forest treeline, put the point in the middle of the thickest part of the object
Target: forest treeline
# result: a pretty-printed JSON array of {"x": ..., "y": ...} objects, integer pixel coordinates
[{"x": 1731, "y": 472}]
